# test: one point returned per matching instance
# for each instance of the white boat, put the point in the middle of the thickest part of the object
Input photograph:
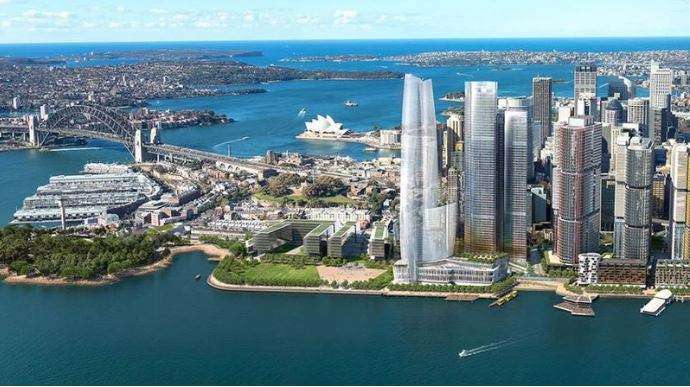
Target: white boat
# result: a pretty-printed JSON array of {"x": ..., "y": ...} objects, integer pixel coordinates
[
  {"x": 463, "y": 353},
  {"x": 302, "y": 112},
  {"x": 351, "y": 103}
]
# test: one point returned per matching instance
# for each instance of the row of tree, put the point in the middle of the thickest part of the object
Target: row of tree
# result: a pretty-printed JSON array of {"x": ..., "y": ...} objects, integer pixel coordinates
[{"x": 28, "y": 251}]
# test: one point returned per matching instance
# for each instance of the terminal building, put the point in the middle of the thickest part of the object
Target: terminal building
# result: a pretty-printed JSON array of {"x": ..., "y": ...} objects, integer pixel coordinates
[{"x": 74, "y": 198}]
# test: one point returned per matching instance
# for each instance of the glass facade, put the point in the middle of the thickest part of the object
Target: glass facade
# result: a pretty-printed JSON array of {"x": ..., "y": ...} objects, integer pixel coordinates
[
  {"x": 427, "y": 228},
  {"x": 483, "y": 172}
]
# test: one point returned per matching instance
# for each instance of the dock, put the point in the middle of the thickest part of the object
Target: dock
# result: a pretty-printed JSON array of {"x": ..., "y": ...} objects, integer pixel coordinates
[
  {"x": 580, "y": 305},
  {"x": 462, "y": 297},
  {"x": 505, "y": 298},
  {"x": 658, "y": 304}
]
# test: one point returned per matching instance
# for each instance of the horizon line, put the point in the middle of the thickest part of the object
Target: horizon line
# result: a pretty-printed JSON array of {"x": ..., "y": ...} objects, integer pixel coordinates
[{"x": 351, "y": 39}]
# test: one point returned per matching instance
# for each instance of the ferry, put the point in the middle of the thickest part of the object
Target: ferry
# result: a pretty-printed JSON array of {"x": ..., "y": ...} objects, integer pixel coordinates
[{"x": 351, "y": 103}]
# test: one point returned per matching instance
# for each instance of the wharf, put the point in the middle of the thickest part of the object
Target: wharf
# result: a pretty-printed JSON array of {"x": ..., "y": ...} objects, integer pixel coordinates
[
  {"x": 578, "y": 305},
  {"x": 462, "y": 297}
]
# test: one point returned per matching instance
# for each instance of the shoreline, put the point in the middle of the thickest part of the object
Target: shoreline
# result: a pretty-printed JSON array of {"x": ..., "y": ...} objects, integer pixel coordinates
[
  {"x": 216, "y": 284},
  {"x": 555, "y": 286},
  {"x": 213, "y": 253}
]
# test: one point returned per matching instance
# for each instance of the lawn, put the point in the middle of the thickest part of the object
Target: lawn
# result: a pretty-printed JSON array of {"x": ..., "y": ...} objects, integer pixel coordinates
[
  {"x": 282, "y": 273},
  {"x": 241, "y": 272}
]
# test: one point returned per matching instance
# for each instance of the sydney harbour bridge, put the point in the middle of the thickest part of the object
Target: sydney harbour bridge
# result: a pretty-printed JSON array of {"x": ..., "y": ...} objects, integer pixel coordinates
[{"x": 109, "y": 124}]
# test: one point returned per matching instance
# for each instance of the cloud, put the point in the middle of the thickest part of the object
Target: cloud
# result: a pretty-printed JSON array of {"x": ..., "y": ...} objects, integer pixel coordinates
[{"x": 344, "y": 16}]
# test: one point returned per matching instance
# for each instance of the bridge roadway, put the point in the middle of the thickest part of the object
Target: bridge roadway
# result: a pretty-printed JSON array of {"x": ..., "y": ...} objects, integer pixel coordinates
[{"x": 174, "y": 151}]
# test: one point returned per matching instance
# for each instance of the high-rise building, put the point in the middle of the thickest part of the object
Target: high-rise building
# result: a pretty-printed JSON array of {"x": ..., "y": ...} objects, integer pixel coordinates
[
  {"x": 542, "y": 92},
  {"x": 633, "y": 208},
  {"x": 427, "y": 228},
  {"x": 587, "y": 104},
  {"x": 585, "y": 80},
  {"x": 517, "y": 150},
  {"x": 660, "y": 83},
  {"x": 638, "y": 113},
  {"x": 659, "y": 123},
  {"x": 576, "y": 188},
  {"x": 677, "y": 232},
  {"x": 621, "y": 88},
  {"x": 483, "y": 168},
  {"x": 613, "y": 113}
]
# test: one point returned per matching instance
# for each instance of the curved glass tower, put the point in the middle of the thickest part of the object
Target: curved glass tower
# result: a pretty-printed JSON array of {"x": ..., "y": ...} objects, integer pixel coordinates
[{"x": 427, "y": 228}]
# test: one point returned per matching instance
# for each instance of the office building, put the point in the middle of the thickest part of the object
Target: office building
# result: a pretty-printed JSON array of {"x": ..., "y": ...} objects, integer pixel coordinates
[
  {"x": 621, "y": 88},
  {"x": 633, "y": 208},
  {"x": 483, "y": 197},
  {"x": 577, "y": 188},
  {"x": 638, "y": 113},
  {"x": 659, "y": 124},
  {"x": 517, "y": 159},
  {"x": 541, "y": 105},
  {"x": 660, "y": 84},
  {"x": 613, "y": 113},
  {"x": 427, "y": 229},
  {"x": 585, "y": 80},
  {"x": 678, "y": 201},
  {"x": 587, "y": 104}
]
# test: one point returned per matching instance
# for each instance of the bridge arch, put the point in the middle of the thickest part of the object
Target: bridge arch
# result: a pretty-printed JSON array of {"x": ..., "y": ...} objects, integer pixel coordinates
[{"x": 110, "y": 124}]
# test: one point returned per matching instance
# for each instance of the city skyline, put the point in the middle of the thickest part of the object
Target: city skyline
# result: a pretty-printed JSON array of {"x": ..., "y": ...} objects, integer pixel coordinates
[{"x": 129, "y": 21}]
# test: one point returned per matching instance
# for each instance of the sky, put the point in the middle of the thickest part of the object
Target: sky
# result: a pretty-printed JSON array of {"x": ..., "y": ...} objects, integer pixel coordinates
[{"x": 41, "y": 21}]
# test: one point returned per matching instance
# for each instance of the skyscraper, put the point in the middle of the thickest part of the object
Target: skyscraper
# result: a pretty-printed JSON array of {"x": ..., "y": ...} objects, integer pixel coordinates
[
  {"x": 585, "y": 80},
  {"x": 660, "y": 83},
  {"x": 541, "y": 105},
  {"x": 634, "y": 175},
  {"x": 427, "y": 229},
  {"x": 638, "y": 113},
  {"x": 678, "y": 201},
  {"x": 613, "y": 113},
  {"x": 576, "y": 188},
  {"x": 483, "y": 172},
  {"x": 659, "y": 122},
  {"x": 517, "y": 149}
]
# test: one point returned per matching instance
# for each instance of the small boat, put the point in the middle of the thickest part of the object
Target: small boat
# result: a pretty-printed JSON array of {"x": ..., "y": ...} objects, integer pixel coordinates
[
  {"x": 463, "y": 353},
  {"x": 351, "y": 103},
  {"x": 370, "y": 149},
  {"x": 198, "y": 276}
]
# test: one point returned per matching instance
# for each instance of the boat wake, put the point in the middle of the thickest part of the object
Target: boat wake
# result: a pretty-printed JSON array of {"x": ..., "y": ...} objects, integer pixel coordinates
[
  {"x": 487, "y": 348},
  {"x": 231, "y": 141},
  {"x": 74, "y": 149}
]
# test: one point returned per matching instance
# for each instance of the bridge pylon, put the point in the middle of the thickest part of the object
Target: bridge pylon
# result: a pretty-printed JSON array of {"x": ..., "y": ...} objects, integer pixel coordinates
[{"x": 34, "y": 133}]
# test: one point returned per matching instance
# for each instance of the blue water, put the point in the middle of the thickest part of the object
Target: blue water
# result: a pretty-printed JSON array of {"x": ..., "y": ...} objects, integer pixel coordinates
[{"x": 167, "y": 328}]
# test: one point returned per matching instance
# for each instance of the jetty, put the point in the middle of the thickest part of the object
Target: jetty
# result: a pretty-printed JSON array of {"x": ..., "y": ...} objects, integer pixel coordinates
[
  {"x": 462, "y": 297},
  {"x": 657, "y": 305},
  {"x": 578, "y": 305},
  {"x": 505, "y": 298}
]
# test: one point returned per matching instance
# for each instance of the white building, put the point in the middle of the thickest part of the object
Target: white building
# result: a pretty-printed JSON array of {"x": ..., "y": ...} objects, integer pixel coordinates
[{"x": 588, "y": 268}]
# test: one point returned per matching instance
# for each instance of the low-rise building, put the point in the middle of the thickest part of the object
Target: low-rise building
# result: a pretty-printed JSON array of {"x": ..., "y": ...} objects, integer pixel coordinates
[
  {"x": 455, "y": 271},
  {"x": 672, "y": 273},
  {"x": 622, "y": 272}
]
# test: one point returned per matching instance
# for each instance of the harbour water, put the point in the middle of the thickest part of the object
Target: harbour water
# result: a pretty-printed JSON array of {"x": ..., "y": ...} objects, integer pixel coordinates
[{"x": 166, "y": 328}]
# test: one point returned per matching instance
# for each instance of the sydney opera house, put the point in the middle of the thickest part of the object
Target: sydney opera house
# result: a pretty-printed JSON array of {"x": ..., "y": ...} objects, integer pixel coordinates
[{"x": 323, "y": 127}]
